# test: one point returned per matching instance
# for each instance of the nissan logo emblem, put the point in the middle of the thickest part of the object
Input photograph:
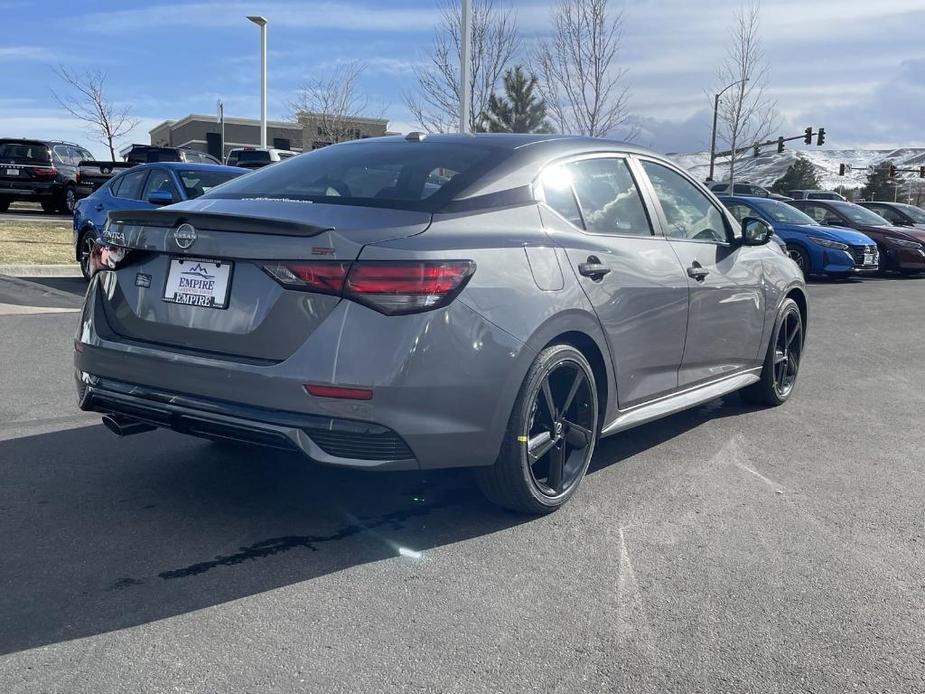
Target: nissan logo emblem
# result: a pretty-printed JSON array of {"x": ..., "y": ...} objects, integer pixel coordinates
[{"x": 185, "y": 236}]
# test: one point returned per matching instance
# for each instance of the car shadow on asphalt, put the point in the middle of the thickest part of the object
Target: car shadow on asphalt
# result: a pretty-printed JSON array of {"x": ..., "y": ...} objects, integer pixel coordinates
[{"x": 100, "y": 533}]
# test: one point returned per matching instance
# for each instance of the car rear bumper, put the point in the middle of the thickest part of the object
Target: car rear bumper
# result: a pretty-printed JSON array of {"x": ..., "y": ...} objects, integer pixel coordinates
[
  {"x": 29, "y": 190},
  {"x": 323, "y": 439},
  {"x": 443, "y": 384}
]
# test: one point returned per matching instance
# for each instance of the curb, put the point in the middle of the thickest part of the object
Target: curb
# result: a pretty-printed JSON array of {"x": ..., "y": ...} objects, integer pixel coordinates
[{"x": 70, "y": 270}]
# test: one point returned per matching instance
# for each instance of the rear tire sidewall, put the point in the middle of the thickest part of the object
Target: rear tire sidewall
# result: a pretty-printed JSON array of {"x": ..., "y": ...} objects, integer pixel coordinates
[
  {"x": 765, "y": 391},
  {"x": 85, "y": 237},
  {"x": 68, "y": 200}
]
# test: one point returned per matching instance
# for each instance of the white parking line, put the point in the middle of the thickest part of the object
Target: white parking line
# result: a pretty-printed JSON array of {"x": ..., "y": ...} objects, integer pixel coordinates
[{"x": 17, "y": 310}]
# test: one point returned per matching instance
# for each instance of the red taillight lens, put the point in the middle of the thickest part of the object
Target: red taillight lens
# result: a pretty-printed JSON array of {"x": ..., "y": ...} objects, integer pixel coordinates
[
  {"x": 407, "y": 287},
  {"x": 44, "y": 171},
  {"x": 324, "y": 277},
  {"x": 390, "y": 287}
]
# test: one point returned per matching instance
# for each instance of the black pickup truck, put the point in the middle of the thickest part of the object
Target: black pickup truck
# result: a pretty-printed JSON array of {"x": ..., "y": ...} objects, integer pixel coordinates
[{"x": 93, "y": 174}]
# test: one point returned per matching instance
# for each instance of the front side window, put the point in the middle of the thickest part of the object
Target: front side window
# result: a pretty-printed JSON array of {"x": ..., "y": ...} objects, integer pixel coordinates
[
  {"x": 690, "y": 214},
  {"x": 739, "y": 211},
  {"x": 159, "y": 181},
  {"x": 608, "y": 197},
  {"x": 888, "y": 214}
]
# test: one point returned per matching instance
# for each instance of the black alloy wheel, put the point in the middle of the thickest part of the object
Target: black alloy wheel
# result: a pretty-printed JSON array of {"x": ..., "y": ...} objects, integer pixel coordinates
[
  {"x": 550, "y": 436},
  {"x": 788, "y": 348}
]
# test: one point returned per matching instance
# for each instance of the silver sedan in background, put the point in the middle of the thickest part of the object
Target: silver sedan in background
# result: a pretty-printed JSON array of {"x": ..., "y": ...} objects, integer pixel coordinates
[{"x": 490, "y": 301}]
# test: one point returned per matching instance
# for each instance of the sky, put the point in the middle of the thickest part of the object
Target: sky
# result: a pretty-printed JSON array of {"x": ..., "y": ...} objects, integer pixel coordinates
[{"x": 855, "y": 67}]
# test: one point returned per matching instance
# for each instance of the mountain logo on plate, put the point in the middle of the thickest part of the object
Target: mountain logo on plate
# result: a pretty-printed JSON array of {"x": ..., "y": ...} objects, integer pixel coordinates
[{"x": 184, "y": 236}]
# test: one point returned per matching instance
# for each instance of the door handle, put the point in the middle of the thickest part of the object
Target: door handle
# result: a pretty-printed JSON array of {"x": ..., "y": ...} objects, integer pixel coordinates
[
  {"x": 697, "y": 272},
  {"x": 593, "y": 268}
]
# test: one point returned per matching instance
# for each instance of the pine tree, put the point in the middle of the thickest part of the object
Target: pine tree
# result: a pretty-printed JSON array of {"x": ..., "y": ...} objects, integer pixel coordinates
[
  {"x": 800, "y": 175},
  {"x": 520, "y": 110},
  {"x": 879, "y": 185}
]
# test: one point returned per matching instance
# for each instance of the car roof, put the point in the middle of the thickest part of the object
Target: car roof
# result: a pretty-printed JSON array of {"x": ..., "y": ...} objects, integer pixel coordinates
[{"x": 515, "y": 141}]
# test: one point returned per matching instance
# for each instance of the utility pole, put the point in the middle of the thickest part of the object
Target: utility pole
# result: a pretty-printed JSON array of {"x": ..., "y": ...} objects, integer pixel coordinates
[
  {"x": 464, "y": 64},
  {"x": 713, "y": 138},
  {"x": 221, "y": 123},
  {"x": 262, "y": 23}
]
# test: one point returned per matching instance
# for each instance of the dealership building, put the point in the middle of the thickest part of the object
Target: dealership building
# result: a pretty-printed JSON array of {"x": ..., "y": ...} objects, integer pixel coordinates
[{"x": 204, "y": 132}]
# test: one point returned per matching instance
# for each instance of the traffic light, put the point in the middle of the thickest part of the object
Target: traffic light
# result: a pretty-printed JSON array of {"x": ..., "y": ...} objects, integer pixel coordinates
[
  {"x": 892, "y": 171},
  {"x": 820, "y": 137},
  {"x": 841, "y": 169},
  {"x": 756, "y": 151},
  {"x": 808, "y": 136},
  {"x": 922, "y": 172},
  {"x": 780, "y": 145}
]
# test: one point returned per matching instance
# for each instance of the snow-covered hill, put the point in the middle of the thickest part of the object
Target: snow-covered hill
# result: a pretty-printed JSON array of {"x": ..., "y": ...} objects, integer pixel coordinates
[{"x": 769, "y": 166}]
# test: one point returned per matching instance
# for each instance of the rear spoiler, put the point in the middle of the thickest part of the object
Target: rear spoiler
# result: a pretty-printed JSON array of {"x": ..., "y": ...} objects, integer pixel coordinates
[{"x": 121, "y": 220}]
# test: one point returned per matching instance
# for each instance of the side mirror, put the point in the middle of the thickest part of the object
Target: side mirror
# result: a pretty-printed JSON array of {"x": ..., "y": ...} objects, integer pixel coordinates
[
  {"x": 160, "y": 197},
  {"x": 755, "y": 232}
]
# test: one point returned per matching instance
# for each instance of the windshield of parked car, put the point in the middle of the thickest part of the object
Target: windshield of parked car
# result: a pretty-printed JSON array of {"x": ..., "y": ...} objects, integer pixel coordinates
[
  {"x": 783, "y": 213},
  {"x": 916, "y": 213},
  {"x": 24, "y": 151},
  {"x": 860, "y": 215},
  {"x": 196, "y": 183},
  {"x": 404, "y": 175}
]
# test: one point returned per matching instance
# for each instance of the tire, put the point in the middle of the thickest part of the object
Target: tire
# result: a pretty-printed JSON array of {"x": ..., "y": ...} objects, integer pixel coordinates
[
  {"x": 68, "y": 200},
  {"x": 543, "y": 458},
  {"x": 84, "y": 249},
  {"x": 801, "y": 258},
  {"x": 782, "y": 361}
]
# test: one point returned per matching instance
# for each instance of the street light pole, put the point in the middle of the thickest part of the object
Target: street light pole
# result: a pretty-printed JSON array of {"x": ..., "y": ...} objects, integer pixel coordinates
[
  {"x": 464, "y": 63},
  {"x": 262, "y": 23},
  {"x": 713, "y": 138}
]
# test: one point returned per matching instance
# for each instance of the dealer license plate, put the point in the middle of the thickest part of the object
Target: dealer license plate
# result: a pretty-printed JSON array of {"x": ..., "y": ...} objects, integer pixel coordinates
[
  {"x": 868, "y": 258},
  {"x": 12, "y": 172},
  {"x": 198, "y": 282}
]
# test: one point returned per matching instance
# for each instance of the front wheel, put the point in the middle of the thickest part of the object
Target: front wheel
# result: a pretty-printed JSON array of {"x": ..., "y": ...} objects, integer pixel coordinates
[
  {"x": 800, "y": 257},
  {"x": 550, "y": 435},
  {"x": 68, "y": 200},
  {"x": 782, "y": 362}
]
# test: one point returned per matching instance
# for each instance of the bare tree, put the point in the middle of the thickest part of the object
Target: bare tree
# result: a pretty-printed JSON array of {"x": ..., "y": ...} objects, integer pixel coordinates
[
  {"x": 582, "y": 85},
  {"x": 495, "y": 41},
  {"x": 86, "y": 101},
  {"x": 746, "y": 114},
  {"x": 332, "y": 102}
]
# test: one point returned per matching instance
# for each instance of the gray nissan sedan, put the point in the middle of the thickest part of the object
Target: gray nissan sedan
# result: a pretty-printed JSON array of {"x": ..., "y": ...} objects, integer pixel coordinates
[{"x": 403, "y": 303}]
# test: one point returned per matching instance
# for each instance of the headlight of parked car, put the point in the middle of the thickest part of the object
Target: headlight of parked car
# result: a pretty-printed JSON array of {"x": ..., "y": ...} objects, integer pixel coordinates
[
  {"x": 829, "y": 244},
  {"x": 903, "y": 243}
]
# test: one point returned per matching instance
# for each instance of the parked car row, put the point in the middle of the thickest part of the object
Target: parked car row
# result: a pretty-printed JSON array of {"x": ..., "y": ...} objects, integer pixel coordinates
[
  {"x": 839, "y": 238},
  {"x": 750, "y": 189}
]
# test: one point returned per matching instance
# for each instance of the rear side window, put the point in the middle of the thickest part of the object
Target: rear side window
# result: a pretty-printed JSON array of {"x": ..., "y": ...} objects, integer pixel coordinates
[
  {"x": 384, "y": 174},
  {"x": 818, "y": 213},
  {"x": 608, "y": 197},
  {"x": 129, "y": 186},
  {"x": 689, "y": 213},
  {"x": 559, "y": 195},
  {"x": 196, "y": 183},
  {"x": 159, "y": 180}
]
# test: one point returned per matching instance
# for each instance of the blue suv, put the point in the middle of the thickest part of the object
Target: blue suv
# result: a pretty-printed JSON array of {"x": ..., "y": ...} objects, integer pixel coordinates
[
  {"x": 818, "y": 250},
  {"x": 141, "y": 187}
]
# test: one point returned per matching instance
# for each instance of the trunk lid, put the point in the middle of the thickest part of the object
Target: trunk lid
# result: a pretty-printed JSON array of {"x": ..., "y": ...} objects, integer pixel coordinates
[{"x": 227, "y": 242}]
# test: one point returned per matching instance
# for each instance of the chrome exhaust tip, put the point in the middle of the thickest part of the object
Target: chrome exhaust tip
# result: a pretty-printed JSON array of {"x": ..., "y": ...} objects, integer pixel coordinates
[{"x": 125, "y": 426}]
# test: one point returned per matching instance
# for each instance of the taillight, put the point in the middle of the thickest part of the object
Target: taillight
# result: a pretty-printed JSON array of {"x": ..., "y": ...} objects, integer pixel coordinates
[
  {"x": 407, "y": 287},
  {"x": 322, "y": 277},
  {"x": 44, "y": 171},
  {"x": 390, "y": 287}
]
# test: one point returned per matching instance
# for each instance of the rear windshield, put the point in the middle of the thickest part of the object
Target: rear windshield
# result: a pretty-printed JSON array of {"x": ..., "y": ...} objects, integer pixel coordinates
[
  {"x": 405, "y": 175},
  {"x": 142, "y": 155},
  {"x": 24, "y": 151},
  {"x": 197, "y": 183},
  {"x": 253, "y": 155}
]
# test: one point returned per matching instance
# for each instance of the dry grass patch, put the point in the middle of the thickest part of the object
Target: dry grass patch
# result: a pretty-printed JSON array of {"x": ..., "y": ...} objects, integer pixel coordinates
[{"x": 31, "y": 243}]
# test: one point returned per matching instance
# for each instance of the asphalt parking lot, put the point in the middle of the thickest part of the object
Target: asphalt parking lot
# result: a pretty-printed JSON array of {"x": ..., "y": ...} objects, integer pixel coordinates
[{"x": 726, "y": 549}]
